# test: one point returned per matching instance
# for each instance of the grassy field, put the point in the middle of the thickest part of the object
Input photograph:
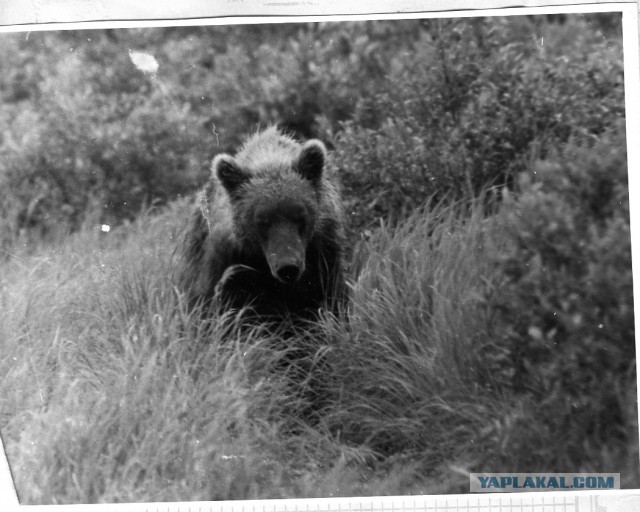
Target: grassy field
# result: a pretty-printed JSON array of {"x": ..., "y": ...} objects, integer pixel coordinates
[{"x": 111, "y": 391}]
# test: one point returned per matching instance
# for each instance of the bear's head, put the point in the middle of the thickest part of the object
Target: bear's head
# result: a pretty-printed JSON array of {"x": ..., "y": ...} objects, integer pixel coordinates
[{"x": 275, "y": 205}]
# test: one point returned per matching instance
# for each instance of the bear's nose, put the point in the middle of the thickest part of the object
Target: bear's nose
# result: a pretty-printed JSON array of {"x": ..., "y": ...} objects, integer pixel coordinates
[{"x": 289, "y": 273}]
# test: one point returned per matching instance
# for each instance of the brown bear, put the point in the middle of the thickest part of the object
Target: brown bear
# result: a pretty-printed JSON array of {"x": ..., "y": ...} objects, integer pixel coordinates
[{"x": 267, "y": 232}]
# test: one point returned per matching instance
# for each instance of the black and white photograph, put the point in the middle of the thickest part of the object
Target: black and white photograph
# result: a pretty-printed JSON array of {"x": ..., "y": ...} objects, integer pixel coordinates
[{"x": 311, "y": 259}]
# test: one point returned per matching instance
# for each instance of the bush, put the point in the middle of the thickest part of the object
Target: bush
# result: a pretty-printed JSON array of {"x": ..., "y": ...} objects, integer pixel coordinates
[
  {"x": 415, "y": 108},
  {"x": 91, "y": 137},
  {"x": 77, "y": 155},
  {"x": 471, "y": 107},
  {"x": 565, "y": 324}
]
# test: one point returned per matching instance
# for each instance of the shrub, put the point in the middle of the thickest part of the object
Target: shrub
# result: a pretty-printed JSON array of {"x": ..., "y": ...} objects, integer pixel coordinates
[
  {"x": 565, "y": 323},
  {"x": 464, "y": 103},
  {"x": 77, "y": 155},
  {"x": 91, "y": 137},
  {"x": 470, "y": 108}
]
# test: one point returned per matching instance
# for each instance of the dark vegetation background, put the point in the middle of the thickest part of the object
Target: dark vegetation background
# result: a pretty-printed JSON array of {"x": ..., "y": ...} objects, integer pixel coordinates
[{"x": 483, "y": 166}]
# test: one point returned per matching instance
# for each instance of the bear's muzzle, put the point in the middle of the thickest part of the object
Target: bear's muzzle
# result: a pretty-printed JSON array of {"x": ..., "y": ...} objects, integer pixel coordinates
[{"x": 285, "y": 252}]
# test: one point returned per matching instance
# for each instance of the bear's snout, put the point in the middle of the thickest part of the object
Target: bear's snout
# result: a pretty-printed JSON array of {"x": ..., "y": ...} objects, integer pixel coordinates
[
  {"x": 287, "y": 269},
  {"x": 285, "y": 253},
  {"x": 289, "y": 273}
]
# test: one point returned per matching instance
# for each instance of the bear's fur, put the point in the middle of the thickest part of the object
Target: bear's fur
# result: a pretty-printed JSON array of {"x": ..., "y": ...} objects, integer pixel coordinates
[{"x": 267, "y": 232}]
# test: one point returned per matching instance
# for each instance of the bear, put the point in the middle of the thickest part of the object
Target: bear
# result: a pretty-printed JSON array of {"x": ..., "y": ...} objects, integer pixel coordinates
[{"x": 267, "y": 233}]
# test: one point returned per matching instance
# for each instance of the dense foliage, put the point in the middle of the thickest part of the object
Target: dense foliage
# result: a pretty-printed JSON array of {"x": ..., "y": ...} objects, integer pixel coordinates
[
  {"x": 413, "y": 108},
  {"x": 565, "y": 301},
  {"x": 471, "y": 106}
]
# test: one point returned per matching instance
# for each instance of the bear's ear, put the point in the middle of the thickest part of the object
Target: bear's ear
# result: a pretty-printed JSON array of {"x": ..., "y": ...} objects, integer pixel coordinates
[
  {"x": 230, "y": 174},
  {"x": 311, "y": 161}
]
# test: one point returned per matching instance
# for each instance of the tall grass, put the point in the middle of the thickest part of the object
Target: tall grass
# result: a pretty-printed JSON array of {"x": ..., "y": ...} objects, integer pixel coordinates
[
  {"x": 410, "y": 365},
  {"x": 111, "y": 390}
]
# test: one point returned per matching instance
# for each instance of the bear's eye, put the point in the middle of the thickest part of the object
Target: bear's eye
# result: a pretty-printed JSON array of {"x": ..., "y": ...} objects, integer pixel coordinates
[
  {"x": 262, "y": 221},
  {"x": 301, "y": 223}
]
